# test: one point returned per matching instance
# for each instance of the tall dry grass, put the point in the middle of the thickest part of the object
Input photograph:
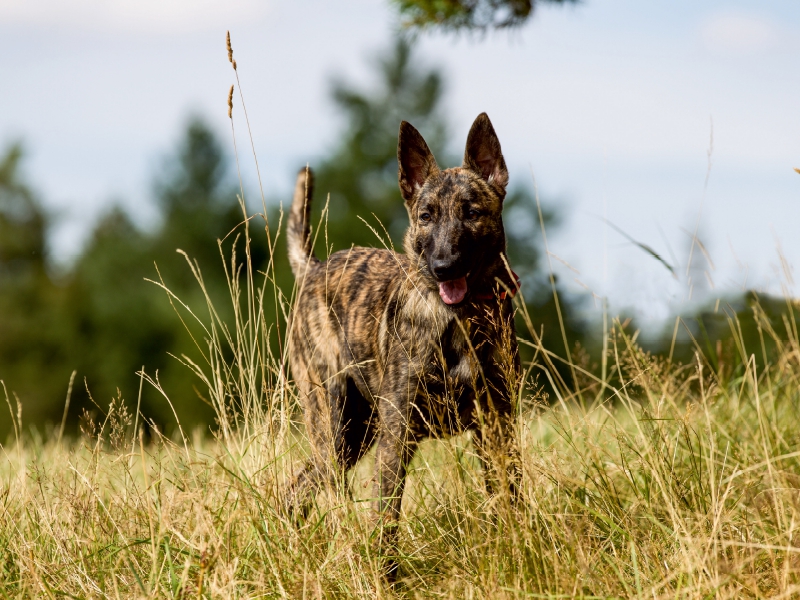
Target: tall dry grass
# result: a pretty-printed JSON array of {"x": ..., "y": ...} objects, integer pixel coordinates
[{"x": 666, "y": 481}]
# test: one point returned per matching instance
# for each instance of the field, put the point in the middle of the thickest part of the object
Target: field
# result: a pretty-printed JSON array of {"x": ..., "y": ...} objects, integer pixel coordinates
[{"x": 655, "y": 480}]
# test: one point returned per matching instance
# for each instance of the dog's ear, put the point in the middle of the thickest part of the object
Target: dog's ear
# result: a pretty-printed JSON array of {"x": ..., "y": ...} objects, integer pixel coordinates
[
  {"x": 483, "y": 154},
  {"x": 416, "y": 163}
]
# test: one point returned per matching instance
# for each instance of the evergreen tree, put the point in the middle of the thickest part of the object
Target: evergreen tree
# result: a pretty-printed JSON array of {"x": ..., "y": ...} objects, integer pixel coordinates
[
  {"x": 127, "y": 322},
  {"x": 33, "y": 330},
  {"x": 23, "y": 223}
]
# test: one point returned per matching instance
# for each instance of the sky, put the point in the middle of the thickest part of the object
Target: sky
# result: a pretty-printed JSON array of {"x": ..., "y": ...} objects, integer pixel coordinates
[{"x": 659, "y": 119}]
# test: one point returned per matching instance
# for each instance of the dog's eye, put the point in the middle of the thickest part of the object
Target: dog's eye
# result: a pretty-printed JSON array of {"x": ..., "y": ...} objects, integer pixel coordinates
[
  {"x": 473, "y": 214},
  {"x": 425, "y": 217}
]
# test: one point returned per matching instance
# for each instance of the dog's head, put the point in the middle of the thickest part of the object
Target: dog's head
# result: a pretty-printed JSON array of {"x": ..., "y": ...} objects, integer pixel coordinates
[{"x": 456, "y": 229}]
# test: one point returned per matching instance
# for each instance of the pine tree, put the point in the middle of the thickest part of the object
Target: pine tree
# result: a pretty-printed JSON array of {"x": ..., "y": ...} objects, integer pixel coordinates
[
  {"x": 33, "y": 330},
  {"x": 127, "y": 322}
]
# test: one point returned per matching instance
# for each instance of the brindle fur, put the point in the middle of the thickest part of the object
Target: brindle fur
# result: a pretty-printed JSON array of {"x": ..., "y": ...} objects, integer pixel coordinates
[{"x": 375, "y": 351}]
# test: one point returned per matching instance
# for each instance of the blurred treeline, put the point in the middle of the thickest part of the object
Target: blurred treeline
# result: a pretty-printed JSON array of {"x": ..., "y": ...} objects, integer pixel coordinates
[{"x": 103, "y": 321}]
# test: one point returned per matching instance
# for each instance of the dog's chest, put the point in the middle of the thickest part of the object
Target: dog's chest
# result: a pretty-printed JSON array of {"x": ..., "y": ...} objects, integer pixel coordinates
[
  {"x": 460, "y": 364},
  {"x": 449, "y": 382},
  {"x": 463, "y": 352},
  {"x": 450, "y": 349}
]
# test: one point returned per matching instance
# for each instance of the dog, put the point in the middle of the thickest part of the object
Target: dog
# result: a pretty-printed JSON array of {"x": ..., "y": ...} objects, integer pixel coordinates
[{"x": 389, "y": 348}]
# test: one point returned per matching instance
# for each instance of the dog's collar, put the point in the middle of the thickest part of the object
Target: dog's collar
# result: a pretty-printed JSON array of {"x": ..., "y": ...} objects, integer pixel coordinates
[{"x": 502, "y": 294}]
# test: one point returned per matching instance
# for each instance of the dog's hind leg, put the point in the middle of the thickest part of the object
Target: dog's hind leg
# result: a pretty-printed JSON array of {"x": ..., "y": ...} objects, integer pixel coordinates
[
  {"x": 355, "y": 429},
  {"x": 305, "y": 482},
  {"x": 340, "y": 428},
  {"x": 341, "y": 455},
  {"x": 318, "y": 468}
]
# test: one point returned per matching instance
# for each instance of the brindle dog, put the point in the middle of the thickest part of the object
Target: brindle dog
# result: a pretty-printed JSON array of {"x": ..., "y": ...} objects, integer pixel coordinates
[{"x": 400, "y": 347}]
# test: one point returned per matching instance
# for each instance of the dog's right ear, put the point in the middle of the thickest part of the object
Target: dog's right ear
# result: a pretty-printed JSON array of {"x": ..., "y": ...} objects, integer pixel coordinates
[{"x": 416, "y": 163}]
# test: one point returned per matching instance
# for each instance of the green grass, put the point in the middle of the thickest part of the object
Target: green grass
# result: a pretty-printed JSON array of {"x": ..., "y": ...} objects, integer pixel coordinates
[{"x": 665, "y": 481}]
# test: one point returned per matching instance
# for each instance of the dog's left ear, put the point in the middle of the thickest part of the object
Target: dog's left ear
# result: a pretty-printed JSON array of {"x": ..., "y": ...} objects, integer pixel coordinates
[{"x": 483, "y": 154}]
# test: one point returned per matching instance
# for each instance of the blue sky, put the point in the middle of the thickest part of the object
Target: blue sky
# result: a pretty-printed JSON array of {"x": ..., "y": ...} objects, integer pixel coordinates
[{"x": 610, "y": 104}]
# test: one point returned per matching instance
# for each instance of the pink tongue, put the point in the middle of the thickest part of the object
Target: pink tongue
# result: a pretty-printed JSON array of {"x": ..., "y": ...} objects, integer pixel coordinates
[{"x": 453, "y": 292}]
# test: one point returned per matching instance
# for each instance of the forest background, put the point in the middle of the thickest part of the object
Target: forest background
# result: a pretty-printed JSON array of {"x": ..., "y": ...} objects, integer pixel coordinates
[{"x": 98, "y": 321}]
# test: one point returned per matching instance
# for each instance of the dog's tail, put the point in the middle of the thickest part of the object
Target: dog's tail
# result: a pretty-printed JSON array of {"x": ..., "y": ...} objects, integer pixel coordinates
[{"x": 298, "y": 233}]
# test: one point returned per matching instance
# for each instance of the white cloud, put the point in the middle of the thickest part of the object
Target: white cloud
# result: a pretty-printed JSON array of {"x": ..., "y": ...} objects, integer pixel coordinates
[
  {"x": 148, "y": 16},
  {"x": 740, "y": 34}
]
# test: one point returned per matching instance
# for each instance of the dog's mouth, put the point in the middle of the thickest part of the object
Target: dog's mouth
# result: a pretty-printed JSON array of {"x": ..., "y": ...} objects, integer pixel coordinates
[{"x": 453, "y": 291}]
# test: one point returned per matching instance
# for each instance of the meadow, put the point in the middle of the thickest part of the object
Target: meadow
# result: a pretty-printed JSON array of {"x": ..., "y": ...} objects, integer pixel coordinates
[
  {"x": 644, "y": 478},
  {"x": 645, "y": 475}
]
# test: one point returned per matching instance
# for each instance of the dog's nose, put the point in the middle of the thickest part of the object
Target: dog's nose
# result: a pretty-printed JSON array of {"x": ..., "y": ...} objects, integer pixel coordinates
[{"x": 443, "y": 269}]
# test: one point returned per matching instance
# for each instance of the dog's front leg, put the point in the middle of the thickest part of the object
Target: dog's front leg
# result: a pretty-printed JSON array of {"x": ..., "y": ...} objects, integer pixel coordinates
[
  {"x": 394, "y": 451},
  {"x": 395, "y": 448},
  {"x": 392, "y": 460},
  {"x": 494, "y": 435},
  {"x": 495, "y": 445}
]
